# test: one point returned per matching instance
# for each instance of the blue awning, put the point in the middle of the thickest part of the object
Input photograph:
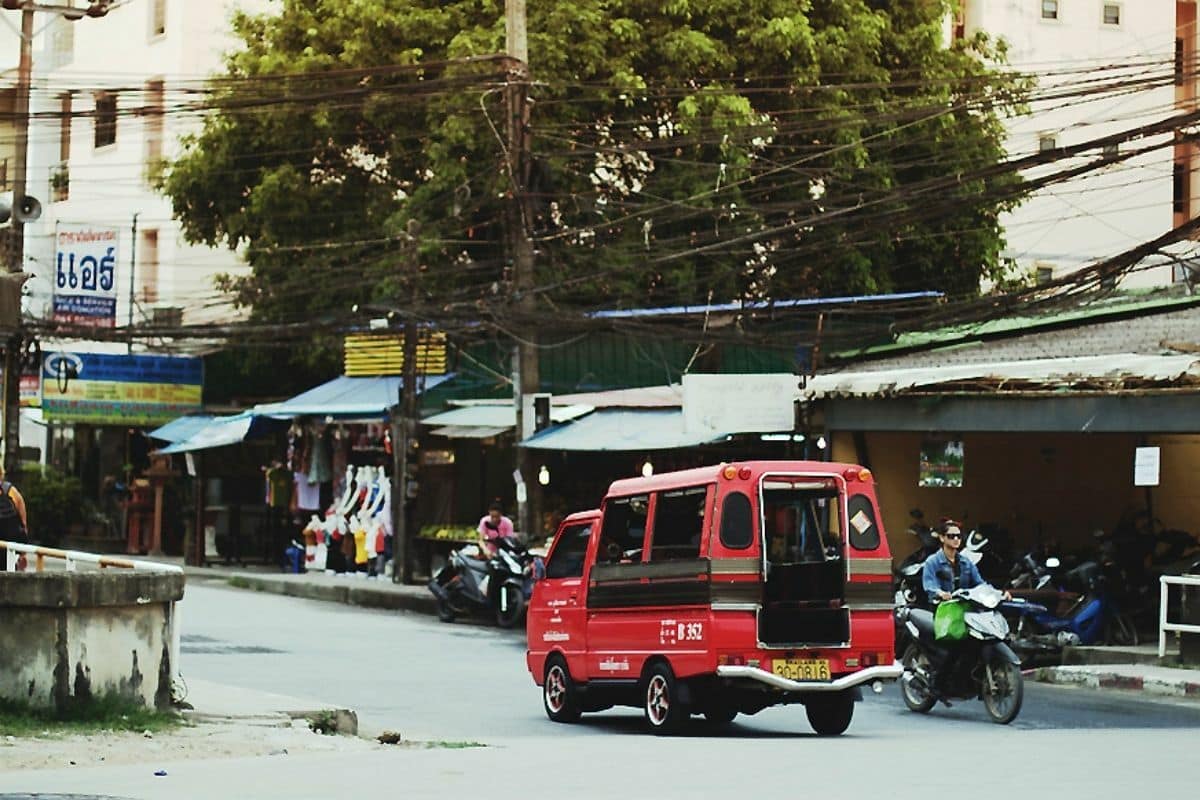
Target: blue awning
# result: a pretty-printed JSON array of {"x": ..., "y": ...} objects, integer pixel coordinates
[
  {"x": 622, "y": 430},
  {"x": 346, "y": 399},
  {"x": 222, "y": 431},
  {"x": 179, "y": 429}
]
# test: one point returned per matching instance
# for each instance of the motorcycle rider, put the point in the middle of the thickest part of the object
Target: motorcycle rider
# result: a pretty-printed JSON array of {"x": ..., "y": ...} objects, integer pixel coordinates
[{"x": 943, "y": 574}]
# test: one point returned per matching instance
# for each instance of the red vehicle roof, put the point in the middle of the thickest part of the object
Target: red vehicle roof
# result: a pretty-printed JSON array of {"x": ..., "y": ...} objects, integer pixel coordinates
[{"x": 669, "y": 480}]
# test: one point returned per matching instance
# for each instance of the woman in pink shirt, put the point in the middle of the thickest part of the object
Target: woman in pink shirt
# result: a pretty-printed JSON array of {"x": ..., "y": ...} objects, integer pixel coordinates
[{"x": 494, "y": 525}]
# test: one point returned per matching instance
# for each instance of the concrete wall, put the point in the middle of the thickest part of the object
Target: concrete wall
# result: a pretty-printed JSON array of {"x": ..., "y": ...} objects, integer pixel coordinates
[
  {"x": 1048, "y": 486},
  {"x": 1116, "y": 207},
  {"x": 69, "y": 637}
]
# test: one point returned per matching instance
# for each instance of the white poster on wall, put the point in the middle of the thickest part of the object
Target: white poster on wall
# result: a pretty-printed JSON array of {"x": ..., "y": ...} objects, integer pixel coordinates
[{"x": 1145, "y": 466}]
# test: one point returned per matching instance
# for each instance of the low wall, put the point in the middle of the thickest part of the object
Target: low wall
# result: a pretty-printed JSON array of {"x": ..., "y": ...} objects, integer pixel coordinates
[{"x": 66, "y": 637}]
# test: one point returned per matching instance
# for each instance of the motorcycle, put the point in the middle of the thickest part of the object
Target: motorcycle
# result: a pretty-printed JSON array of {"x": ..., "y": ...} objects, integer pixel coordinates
[
  {"x": 499, "y": 586},
  {"x": 981, "y": 665},
  {"x": 1090, "y": 617}
]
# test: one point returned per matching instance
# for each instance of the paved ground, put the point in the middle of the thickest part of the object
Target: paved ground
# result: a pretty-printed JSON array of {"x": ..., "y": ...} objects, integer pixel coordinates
[{"x": 449, "y": 686}]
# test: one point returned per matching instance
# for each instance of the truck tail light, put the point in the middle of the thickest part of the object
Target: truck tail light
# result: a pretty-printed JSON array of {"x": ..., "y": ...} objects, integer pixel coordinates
[
  {"x": 728, "y": 660},
  {"x": 861, "y": 474},
  {"x": 868, "y": 660}
]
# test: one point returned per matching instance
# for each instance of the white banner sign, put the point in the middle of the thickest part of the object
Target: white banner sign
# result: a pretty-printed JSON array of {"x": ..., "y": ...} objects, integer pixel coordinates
[
  {"x": 761, "y": 403},
  {"x": 1145, "y": 466}
]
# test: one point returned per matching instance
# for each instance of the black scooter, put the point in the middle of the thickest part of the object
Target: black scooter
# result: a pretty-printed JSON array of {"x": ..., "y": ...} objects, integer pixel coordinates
[
  {"x": 498, "y": 586},
  {"x": 981, "y": 665}
]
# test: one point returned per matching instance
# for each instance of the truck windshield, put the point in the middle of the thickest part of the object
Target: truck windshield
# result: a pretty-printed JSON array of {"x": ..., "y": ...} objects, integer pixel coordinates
[{"x": 801, "y": 524}]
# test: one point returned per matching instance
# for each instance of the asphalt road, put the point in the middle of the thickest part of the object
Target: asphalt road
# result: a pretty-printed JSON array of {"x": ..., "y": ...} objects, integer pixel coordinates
[{"x": 460, "y": 683}]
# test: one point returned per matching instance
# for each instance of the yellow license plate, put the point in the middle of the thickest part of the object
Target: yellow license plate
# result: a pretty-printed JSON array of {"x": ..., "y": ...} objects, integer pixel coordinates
[{"x": 801, "y": 669}]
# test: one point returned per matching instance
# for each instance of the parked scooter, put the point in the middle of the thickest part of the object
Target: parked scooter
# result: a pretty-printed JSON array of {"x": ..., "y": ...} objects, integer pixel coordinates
[
  {"x": 1092, "y": 618},
  {"x": 981, "y": 665},
  {"x": 499, "y": 586}
]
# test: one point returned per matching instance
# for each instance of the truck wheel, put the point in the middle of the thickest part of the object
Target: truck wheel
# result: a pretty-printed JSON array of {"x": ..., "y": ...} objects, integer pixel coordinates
[
  {"x": 558, "y": 692},
  {"x": 830, "y": 714},
  {"x": 666, "y": 713}
]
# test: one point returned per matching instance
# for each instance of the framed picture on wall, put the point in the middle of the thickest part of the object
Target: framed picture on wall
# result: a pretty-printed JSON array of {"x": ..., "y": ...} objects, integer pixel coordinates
[{"x": 941, "y": 464}]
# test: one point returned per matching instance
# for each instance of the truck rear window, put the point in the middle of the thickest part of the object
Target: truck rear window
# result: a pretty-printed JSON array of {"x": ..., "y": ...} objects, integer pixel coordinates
[{"x": 801, "y": 524}]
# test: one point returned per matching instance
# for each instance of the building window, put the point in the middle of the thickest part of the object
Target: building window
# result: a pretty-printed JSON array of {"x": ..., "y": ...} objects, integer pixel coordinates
[
  {"x": 61, "y": 35},
  {"x": 1179, "y": 61},
  {"x": 106, "y": 119},
  {"x": 1047, "y": 142},
  {"x": 154, "y": 125},
  {"x": 1049, "y": 9},
  {"x": 158, "y": 18},
  {"x": 960, "y": 20},
  {"x": 1112, "y": 150},
  {"x": 1112, "y": 14},
  {"x": 1045, "y": 273},
  {"x": 147, "y": 266}
]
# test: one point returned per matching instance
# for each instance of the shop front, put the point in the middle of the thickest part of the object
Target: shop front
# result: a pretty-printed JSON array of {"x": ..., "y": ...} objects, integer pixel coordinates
[{"x": 1048, "y": 452}]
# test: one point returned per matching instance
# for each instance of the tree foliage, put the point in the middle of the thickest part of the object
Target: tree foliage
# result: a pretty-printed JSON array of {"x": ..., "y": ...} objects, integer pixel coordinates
[{"x": 683, "y": 150}]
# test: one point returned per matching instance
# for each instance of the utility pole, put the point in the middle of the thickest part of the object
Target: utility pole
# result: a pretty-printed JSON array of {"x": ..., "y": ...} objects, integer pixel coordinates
[
  {"x": 132, "y": 268},
  {"x": 526, "y": 375},
  {"x": 16, "y": 251},
  {"x": 406, "y": 428}
]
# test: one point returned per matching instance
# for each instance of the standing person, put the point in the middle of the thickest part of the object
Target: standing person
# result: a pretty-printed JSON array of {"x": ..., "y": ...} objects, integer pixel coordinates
[
  {"x": 14, "y": 525},
  {"x": 493, "y": 526}
]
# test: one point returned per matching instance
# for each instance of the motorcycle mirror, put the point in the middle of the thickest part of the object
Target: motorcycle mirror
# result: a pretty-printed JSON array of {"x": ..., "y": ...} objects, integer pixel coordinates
[{"x": 1053, "y": 563}]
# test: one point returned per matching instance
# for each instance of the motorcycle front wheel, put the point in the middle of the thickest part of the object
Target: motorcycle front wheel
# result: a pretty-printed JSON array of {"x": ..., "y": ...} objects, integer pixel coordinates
[
  {"x": 916, "y": 694},
  {"x": 1003, "y": 690},
  {"x": 510, "y": 604}
]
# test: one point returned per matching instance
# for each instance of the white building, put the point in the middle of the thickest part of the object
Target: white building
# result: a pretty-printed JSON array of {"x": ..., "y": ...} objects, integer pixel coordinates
[
  {"x": 105, "y": 105},
  {"x": 1104, "y": 67}
]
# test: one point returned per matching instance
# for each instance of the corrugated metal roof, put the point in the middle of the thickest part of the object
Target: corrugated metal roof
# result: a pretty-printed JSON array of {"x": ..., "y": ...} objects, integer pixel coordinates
[
  {"x": 622, "y": 431},
  {"x": 1089, "y": 373},
  {"x": 179, "y": 429},
  {"x": 471, "y": 431},
  {"x": 346, "y": 398}
]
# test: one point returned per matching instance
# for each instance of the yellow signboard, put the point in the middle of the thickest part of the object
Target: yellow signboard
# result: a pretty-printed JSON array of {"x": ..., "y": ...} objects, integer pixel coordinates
[{"x": 375, "y": 354}]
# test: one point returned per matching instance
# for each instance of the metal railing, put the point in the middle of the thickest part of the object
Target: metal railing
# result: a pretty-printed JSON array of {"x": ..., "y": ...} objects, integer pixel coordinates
[
  {"x": 1163, "y": 624},
  {"x": 73, "y": 557}
]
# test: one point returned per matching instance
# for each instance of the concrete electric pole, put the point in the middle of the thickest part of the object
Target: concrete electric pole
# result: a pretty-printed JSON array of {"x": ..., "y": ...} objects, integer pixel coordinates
[{"x": 526, "y": 376}]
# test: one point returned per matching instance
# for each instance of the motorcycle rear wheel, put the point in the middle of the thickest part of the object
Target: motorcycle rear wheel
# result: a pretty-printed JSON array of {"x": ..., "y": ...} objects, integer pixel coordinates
[
  {"x": 1003, "y": 690},
  {"x": 444, "y": 611},
  {"x": 918, "y": 698}
]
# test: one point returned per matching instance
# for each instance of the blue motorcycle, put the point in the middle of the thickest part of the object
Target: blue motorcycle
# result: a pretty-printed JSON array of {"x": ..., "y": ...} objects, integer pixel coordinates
[{"x": 1087, "y": 616}]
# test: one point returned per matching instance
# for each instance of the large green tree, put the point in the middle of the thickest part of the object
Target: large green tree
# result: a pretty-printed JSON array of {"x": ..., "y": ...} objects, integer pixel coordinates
[{"x": 683, "y": 150}]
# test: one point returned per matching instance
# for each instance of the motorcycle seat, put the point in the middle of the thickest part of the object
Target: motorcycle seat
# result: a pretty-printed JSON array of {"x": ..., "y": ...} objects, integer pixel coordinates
[{"x": 923, "y": 619}]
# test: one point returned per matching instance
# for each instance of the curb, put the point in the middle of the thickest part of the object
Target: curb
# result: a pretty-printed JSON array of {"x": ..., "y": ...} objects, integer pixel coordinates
[
  {"x": 1099, "y": 679},
  {"x": 364, "y": 596}
]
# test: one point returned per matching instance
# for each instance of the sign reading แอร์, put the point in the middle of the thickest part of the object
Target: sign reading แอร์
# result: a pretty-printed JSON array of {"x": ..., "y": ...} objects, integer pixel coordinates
[{"x": 85, "y": 275}]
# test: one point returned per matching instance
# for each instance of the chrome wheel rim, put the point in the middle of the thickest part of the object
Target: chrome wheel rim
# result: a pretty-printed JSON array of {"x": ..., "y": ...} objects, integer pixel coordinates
[
  {"x": 556, "y": 689},
  {"x": 916, "y": 694},
  {"x": 658, "y": 700}
]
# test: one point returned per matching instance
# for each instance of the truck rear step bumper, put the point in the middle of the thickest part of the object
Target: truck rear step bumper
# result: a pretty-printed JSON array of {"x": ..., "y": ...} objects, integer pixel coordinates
[{"x": 882, "y": 672}]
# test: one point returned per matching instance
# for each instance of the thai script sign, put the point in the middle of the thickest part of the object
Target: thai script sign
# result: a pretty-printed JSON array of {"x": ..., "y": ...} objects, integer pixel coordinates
[
  {"x": 116, "y": 389},
  {"x": 85, "y": 275}
]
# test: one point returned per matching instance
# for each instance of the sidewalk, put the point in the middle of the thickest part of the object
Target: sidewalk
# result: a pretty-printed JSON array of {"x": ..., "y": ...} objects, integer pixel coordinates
[
  {"x": 1130, "y": 669},
  {"x": 350, "y": 588},
  {"x": 225, "y": 722}
]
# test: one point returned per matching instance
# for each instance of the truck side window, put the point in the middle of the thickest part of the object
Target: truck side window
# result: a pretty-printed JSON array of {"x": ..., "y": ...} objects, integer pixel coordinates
[
  {"x": 678, "y": 524},
  {"x": 624, "y": 530},
  {"x": 737, "y": 524},
  {"x": 569, "y": 553},
  {"x": 864, "y": 530}
]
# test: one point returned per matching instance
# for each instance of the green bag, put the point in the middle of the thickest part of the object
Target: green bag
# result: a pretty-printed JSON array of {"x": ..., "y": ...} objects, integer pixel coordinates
[{"x": 949, "y": 621}]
